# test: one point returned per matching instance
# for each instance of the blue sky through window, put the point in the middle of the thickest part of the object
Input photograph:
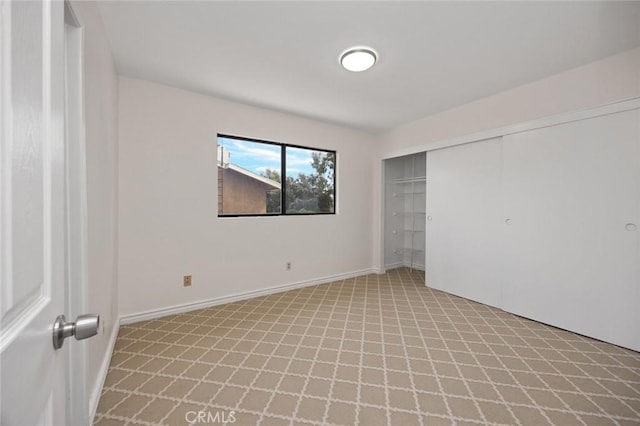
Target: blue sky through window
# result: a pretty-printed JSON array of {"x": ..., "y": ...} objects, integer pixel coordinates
[{"x": 257, "y": 157}]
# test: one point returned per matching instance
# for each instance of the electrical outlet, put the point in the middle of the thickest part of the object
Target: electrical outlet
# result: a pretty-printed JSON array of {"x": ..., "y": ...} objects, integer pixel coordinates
[
  {"x": 187, "y": 281},
  {"x": 288, "y": 265}
]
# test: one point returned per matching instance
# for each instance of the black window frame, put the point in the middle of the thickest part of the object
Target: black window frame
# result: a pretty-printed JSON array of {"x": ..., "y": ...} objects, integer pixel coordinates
[{"x": 283, "y": 178}]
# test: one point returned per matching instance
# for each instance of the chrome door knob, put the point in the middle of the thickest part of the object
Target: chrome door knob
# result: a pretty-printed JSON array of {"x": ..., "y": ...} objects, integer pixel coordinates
[{"x": 84, "y": 327}]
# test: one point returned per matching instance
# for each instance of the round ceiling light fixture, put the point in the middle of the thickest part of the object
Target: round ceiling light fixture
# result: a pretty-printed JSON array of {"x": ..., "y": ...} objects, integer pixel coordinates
[{"x": 357, "y": 59}]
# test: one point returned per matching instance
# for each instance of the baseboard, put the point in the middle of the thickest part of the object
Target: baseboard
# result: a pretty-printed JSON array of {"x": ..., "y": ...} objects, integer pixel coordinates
[
  {"x": 94, "y": 398},
  {"x": 177, "y": 309},
  {"x": 394, "y": 265},
  {"x": 403, "y": 265}
]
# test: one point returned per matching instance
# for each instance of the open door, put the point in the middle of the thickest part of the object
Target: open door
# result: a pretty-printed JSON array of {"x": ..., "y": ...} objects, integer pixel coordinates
[{"x": 33, "y": 216}]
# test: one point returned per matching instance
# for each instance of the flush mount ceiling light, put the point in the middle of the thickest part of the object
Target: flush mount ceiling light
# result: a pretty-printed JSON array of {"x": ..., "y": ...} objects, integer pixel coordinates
[{"x": 358, "y": 59}]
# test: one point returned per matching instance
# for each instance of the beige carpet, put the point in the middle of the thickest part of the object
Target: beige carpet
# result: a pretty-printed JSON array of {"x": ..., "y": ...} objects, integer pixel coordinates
[{"x": 374, "y": 350}]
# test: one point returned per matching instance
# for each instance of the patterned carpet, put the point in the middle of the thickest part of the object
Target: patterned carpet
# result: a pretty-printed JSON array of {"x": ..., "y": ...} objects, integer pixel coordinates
[{"x": 373, "y": 350}]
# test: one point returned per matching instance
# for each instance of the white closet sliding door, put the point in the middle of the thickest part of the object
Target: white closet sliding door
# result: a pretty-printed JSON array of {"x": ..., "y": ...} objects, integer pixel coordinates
[
  {"x": 571, "y": 254},
  {"x": 464, "y": 220}
]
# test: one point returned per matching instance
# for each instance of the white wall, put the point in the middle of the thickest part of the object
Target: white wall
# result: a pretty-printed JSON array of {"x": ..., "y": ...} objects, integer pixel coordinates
[
  {"x": 609, "y": 80},
  {"x": 101, "y": 119},
  {"x": 168, "y": 224}
]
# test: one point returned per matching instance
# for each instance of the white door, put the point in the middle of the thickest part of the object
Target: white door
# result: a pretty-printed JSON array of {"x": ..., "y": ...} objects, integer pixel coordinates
[
  {"x": 32, "y": 212},
  {"x": 571, "y": 259},
  {"x": 464, "y": 221}
]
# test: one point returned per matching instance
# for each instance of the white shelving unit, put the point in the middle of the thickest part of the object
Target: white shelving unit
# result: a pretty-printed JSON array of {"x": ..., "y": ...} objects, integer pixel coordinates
[{"x": 405, "y": 206}]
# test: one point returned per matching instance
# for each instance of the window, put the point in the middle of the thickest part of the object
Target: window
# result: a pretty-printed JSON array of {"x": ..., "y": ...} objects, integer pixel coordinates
[{"x": 250, "y": 178}]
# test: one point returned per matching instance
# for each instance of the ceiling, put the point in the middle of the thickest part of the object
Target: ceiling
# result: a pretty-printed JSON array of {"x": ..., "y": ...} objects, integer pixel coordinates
[{"x": 433, "y": 56}]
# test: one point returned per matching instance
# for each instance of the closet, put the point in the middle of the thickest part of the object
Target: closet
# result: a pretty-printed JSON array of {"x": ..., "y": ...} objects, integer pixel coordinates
[
  {"x": 404, "y": 211},
  {"x": 543, "y": 223}
]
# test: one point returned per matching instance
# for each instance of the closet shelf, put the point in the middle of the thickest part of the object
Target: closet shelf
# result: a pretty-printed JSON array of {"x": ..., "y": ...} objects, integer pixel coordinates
[
  {"x": 411, "y": 180},
  {"x": 405, "y": 202},
  {"x": 408, "y": 213},
  {"x": 407, "y": 250},
  {"x": 406, "y": 194},
  {"x": 398, "y": 231}
]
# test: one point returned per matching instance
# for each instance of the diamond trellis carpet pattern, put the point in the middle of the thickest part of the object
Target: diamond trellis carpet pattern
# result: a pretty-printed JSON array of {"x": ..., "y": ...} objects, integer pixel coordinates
[{"x": 371, "y": 350}]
